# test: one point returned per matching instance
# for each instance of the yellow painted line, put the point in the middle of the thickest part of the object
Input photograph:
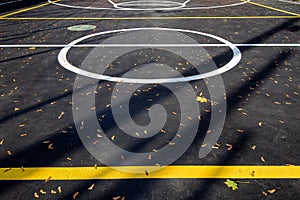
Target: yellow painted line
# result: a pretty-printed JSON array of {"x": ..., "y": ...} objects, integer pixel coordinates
[
  {"x": 173, "y": 172},
  {"x": 153, "y": 18},
  {"x": 26, "y": 9},
  {"x": 272, "y": 8}
]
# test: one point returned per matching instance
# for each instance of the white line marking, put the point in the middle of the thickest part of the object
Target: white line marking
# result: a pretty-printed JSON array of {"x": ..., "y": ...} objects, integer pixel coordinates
[
  {"x": 286, "y": 1},
  {"x": 141, "y": 45},
  {"x": 118, "y": 7},
  {"x": 237, "y": 56},
  {"x": 10, "y": 2}
]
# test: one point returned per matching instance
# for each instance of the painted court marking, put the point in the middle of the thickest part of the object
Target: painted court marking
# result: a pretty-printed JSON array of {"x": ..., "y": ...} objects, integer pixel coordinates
[
  {"x": 9, "y": 2},
  {"x": 286, "y": 1},
  {"x": 62, "y": 58},
  {"x": 24, "y": 10},
  {"x": 142, "y": 45},
  {"x": 172, "y": 172},
  {"x": 120, "y": 6},
  {"x": 153, "y": 18},
  {"x": 272, "y": 8}
]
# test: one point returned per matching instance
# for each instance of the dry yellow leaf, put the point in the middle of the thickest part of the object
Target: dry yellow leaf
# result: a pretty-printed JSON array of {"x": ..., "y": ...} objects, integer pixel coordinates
[
  {"x": 272, "y": 191},
  {"x": 75, "y": 195},
  {"x": 113, "y": 137},
  {"x": 201, "y": 99},
  {"x": 53, "y": 192},
  {"x": 95, "y": 166},
  {"x": 91, "y": 187},
  {"x": 50, "y": 146},
  {"x": 36, "y": 195},
  {"x": 59, "y": 189},
  {"x": 42, "y": 191},
  {"x": 61, "y": 114},
  {"x": 262, "y": 159},
  {"x": 264, "y": 193}
]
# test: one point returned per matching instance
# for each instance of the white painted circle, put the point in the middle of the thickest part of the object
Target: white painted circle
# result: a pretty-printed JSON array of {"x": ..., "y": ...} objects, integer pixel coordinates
[
  {"x": 62, "y": 58},
  {"x": 149, "y": 5},
  {"x": 135, "y": 9}
]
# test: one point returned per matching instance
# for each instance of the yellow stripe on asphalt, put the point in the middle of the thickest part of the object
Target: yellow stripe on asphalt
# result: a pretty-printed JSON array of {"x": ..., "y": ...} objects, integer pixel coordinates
[
  {"x": 153, "y": 18},
  {"x": 26, "y": 9},
  {"x": 272, "y": 8},
  {"x": 169, "y": 172}
]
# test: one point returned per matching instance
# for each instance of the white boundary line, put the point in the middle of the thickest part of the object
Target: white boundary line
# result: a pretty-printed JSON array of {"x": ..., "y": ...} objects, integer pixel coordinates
[
  {"x": 286, "y": 1},
  {"x": 116, "y": 7},
  {"x": 9, "y": 2},
  {"x": 142, "y": 45}
]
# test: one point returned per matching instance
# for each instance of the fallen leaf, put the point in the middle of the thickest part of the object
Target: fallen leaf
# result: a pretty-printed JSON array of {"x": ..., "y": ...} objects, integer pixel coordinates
[
  {"x": 240, "y": 131},
  {"x": 59, "y": 189},
  {"x": 264, "y": 193},
  {"x": 23, "y": 135},
  {"x": 61, "y": 114},
  {"x": 91, "y": 187},
  {"x": 50, "y": 146},
  {"x": 43, "y": 192},
  {"x": 9, "y": 152},
  {"x": 48, "y": 179},
  {"x": 201, "y": 99},
  {"x": 113, "y": 137},
  {"x": 231, "y": 184},
  {"x": 260, "y": 123},
  {"x": 53, "y": 192},
  {"x": 36, "y": 195},
  {"x": 75, "y": 195},
  {"x": 229, "y": 147},
  {"x": 95, "y": 166},
  {"x": 1, "y": 142},
  {"x": 262, "y": 159},
  {"x": 272, "y": 191},
  {"x": 7, "y": 170},
  {"x": 253, "y": 148}
]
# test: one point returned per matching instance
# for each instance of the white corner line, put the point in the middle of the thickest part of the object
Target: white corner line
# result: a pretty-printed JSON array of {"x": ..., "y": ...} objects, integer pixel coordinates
[
  {"x": 142, "y": 45},
  {"x": 286, "y": 1}
]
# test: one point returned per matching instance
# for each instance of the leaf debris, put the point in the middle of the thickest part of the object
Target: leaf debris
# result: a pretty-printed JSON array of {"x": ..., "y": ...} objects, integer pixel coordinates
[
  {"x": 36, "y": 195},
  {"x": 231, "y": 184},
  {"x": 75, "y": 195},
  {"x": 61, "y": 115},
  {"x": 91, "y": 187}
]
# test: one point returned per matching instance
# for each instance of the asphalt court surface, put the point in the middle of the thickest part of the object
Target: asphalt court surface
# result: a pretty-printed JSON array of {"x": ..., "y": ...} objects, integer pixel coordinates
[{"x": 42, "y": 155}]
